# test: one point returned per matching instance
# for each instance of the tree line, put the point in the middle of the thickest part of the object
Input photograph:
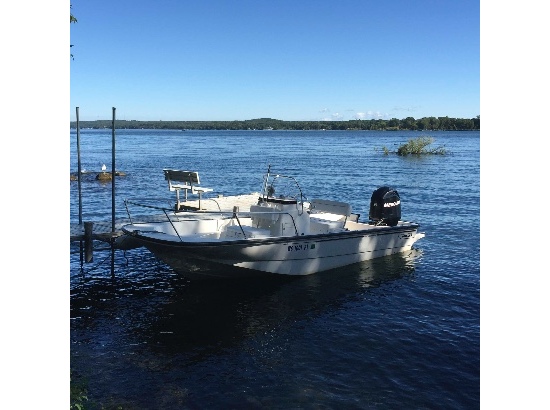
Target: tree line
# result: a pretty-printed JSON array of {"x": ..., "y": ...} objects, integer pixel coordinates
[{"x": 394, "y": 124}]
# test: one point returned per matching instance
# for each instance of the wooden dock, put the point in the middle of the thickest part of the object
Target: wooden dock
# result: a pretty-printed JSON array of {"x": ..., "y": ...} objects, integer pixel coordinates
[{"x": 102, "y": 230}]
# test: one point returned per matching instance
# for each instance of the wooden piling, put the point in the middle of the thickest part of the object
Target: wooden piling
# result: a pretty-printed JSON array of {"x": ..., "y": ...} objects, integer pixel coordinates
[{"x": 88, "y": 241}]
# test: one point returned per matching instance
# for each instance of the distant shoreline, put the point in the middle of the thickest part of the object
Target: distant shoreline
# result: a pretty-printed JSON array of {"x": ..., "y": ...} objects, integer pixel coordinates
[{"x": 268, "y": 124}]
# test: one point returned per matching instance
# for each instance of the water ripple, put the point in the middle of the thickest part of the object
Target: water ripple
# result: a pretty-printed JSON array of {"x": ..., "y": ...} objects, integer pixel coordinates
[{"x": 401, "y": 331}]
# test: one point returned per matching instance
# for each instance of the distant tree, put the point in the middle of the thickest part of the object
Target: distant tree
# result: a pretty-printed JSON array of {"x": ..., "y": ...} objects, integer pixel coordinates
[
  {"x": 465, "y": 124},
  {"x": 409, "y": 123},
  {"x": 73, "y": 20},
  {"x": 434, "y": 123},
  {"x": 444, "y": 123},
  {"x": 476, "y": 121},
  {"x": 423, "y": 123},
  {"x": 394, "y": 123}
]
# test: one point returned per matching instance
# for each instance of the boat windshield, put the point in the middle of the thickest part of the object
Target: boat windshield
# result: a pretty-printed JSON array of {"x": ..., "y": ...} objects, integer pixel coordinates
[{"x": 282, "y": 188}]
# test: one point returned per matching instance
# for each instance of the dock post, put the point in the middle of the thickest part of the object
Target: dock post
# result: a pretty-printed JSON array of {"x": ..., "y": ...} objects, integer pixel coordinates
[
  {"x": 113, "y": 177},
  {"x": 88, "y": 241},
  {"x": 79, "y": 170},
  {"x": 112, "y": 258}
]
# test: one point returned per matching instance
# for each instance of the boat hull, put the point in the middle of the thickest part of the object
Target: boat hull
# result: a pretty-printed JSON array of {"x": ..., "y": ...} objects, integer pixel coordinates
[{"x": 302, "y": 255}]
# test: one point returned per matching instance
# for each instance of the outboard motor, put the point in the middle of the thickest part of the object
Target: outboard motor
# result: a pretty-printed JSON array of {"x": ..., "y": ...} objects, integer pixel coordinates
[{"x": 385, "y": 206}]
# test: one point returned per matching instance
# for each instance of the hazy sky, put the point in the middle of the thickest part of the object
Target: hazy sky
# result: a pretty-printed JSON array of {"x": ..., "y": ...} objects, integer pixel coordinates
[{"x": 288, "y": 60}]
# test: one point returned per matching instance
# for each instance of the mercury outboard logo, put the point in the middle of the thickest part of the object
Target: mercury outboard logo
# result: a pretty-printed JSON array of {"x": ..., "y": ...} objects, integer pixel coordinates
[{"x": 390, "y": 204}]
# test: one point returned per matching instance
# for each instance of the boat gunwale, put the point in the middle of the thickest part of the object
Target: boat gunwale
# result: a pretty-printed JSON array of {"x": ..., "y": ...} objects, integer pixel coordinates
[{"x": 330, "y": 236}]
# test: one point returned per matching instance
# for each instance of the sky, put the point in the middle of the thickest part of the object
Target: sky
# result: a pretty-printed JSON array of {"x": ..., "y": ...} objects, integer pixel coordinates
[{"x": 288, "y": 60}]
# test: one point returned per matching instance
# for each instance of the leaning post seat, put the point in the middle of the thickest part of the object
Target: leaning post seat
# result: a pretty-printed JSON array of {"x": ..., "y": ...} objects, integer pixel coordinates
[{"x": 186, "y": 180}]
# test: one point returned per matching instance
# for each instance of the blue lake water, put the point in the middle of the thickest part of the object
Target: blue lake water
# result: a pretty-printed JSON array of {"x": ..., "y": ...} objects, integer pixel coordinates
[{"x": 397, "y": 332}]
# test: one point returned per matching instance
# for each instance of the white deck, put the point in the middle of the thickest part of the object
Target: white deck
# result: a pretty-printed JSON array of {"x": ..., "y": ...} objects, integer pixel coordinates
[{"x": 225, "y": 204}]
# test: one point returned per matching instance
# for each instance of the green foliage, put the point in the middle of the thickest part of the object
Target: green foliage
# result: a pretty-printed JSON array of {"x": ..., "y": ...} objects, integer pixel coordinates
[
  {"x": 78, "y": 395},
  {"x": 409, "y": 123},
  {"x": 73, "y": 20},
  {"x": 417, "y": 146}
]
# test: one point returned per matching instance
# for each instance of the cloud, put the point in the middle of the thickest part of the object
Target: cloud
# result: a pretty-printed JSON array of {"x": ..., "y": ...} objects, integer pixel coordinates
[
  {"x": 372, "y": 115},
  {"x": 360, "y": 115},
  {"x": 333, "y": 117},
  {"x": 376, "y": 114}
]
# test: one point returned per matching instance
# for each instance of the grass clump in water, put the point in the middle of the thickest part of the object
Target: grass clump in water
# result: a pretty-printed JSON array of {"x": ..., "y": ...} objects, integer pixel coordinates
[{"x": 417, "y": 146}]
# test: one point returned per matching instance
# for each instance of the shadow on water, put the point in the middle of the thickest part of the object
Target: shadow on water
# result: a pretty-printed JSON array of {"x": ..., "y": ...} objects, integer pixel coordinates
[
  {"x": 159, "y": 311},
  {"x": 133, "y": 332}
]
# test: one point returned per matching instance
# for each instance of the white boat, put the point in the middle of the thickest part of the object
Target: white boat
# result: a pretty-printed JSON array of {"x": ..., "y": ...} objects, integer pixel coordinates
[{"x": 284, "y": 233}]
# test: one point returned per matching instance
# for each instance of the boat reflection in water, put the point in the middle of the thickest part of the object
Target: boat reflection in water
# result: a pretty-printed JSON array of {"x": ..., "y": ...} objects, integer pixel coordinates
[
  {"x": 129, "y": 330},
  {"x": 178, "y": 315}
]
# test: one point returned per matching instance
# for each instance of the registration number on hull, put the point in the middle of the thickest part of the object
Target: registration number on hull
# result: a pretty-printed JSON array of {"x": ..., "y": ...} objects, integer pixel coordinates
[{"x": 300, "y": 247}]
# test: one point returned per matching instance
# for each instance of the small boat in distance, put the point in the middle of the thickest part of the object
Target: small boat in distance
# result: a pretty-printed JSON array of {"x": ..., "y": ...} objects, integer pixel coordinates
[{"x": 284, "y": 233}]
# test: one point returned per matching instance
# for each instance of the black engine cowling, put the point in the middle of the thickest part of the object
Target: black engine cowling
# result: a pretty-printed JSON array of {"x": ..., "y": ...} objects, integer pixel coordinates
[{"x": 385, "y": 206}]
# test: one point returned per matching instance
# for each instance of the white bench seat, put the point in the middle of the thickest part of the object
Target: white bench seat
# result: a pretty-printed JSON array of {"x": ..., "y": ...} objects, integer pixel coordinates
[
  {"x": 187, "y": 181},
  {"x": 328, "y": 216}
]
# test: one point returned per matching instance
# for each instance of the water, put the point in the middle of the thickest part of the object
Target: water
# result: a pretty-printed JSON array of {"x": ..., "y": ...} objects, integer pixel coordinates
[{"x": 398, "y": 332}]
